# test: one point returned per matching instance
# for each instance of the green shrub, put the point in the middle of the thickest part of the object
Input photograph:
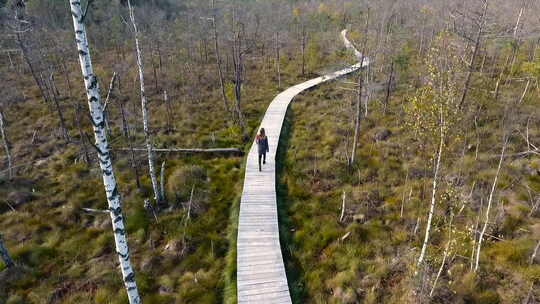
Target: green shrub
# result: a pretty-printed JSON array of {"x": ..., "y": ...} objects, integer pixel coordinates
[
  {"x": 486, "y": 297},
  {"x": 15, "y": 299}
]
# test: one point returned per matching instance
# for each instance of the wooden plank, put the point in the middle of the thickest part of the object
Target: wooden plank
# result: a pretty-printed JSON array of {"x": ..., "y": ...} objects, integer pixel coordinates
[{"x": 261, "y": 276}]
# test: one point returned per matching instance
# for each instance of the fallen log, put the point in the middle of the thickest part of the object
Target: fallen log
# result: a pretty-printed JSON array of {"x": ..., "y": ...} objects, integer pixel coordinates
[{"x": 179, "y": 150}]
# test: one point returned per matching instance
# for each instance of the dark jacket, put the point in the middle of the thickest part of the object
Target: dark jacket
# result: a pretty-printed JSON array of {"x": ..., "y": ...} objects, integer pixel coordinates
[{"x": 262, "y": 143}]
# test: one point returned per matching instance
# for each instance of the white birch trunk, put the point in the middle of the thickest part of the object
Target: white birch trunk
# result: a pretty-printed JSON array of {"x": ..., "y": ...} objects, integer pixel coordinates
[
  {"x": 445, "y": 255},
  {"x": 474, "y": 230},
  {"x": 6, "y": 145},
  {"x": 535, "y": 251},
  {"x": 516, "y": 27},
  {"x": 433, "y": 201},
  {"x": 277, "y": 60},
  {"x": 525, "y": 91},
  {"x": 162, "y": 182},
  {"x": 342, "y": 208},
  {"x": 490, "y": 200},
  {"x": 102, "y": 145},
  {"x": 144, "y": 108},
  {"x": 357, "y": 118}
]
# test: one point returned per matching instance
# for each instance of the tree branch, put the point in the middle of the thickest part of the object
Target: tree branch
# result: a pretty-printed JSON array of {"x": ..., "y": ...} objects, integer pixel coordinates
[{"x": 182, "y": 150}]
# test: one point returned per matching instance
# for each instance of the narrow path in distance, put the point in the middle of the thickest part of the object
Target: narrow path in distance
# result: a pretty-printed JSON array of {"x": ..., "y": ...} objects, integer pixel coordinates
[{"x": 260, "y": 270}]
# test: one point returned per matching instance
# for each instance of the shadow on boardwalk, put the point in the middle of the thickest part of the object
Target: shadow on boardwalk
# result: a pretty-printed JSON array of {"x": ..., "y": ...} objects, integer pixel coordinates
[{"x": 292, "y": 266}]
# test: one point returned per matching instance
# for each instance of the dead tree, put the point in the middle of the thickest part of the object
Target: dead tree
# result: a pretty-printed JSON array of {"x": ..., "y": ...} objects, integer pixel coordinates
[
  {"x": 277, "y": 48},
  {"x": 107, "y": 99},
  {"x": 516, "y": 39},
  {"x": 238, "y": 52},
  {"x": 481, "y": 24},
  {"x": 52, "y": 88},
  {"x": 303, "y": 42},
  {"x": 358, "y": 115},
  {"x": 21, "y": 27},
  {"x": 170, "y": 114},
  {"x": 144, "y": 107},
  {"x": 5, "y": 143},
  {"x": 218, "y": 59},
  {"x": 490, "y": 200},
  {"x": 389, "y": 85},
  {"x": 357, "y": 118}
]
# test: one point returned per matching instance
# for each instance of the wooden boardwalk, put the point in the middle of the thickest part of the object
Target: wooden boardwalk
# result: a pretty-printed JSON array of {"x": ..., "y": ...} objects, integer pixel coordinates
[{"x": 261, "y": 274}]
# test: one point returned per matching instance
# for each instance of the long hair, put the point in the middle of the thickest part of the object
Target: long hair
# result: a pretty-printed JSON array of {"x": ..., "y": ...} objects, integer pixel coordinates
[{"x": 262, "y": 133}]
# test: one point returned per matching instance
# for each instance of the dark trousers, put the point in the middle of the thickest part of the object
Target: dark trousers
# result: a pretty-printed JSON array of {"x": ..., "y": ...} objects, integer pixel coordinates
[{"x": 263, "y": 155}]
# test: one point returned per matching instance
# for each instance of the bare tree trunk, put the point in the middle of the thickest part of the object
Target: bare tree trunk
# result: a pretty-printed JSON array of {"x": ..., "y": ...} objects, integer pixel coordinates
[
  {"x": 238, "y": 61},
  {"x": 26, "y": 57},
  {"x": 102, "y": 147},
  {"x": 144, "y": 108},
  {"x": 277, "y": 60},
  {"x": 358, "y": 117},
  {"x": 133, "y": 162},
  {"x": 182, "y": 150},
  {"x": 483, "y": 62},
  {"x": 170, "y": 116},
  {"x": 516, "y": 27},
  {"x": 125, "y": 125},
  {"x": 516, "y": 45},
  {"x": 525, "y": 91},
  {"x": 5, "y": 143},
  {"x": 473, "y": 251},
  {"x": 344, "y": 196},
  {"x": 403, "y": 196},
  {"x": 303, "y": 48},
  {"x": 445, "y": 255},
  {"x": 218, "y": 61},
  {"x": 475, "y": 54},
  {"x": 105, "y": 107},
  {"x": 501, "y": 74},
  {"x": 66, "y": 76},
  {"x": 433, "y": 199},
  {"x": 63, "y": 128},
  {"x": 490, "y": 200},
  {"x": 154, "y": 68},
  {"x": 162, "y": 182},
  {"x": 46, "y": 91},
  {"x": 535, "y": 251},
  {"x": 389, "y": 86},
  {"x": 11, "y": 66},
  {"x": 4, "y": 254},
  {"x": 53, "y": 84},
  {"x": 421, "y": 48},
  {"x": 82, "y": 137}
]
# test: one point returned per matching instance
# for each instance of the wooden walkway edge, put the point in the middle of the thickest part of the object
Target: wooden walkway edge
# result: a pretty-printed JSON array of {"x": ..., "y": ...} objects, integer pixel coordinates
[{"x": 260, "y": 270}]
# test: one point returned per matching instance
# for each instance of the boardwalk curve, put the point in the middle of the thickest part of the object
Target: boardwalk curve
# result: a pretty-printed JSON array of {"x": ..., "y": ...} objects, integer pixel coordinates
[{"x": 260, "y": 270}]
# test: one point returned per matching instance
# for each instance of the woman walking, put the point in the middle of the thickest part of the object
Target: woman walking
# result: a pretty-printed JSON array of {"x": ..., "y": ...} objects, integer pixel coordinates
[{"x": 262, "y": 143}]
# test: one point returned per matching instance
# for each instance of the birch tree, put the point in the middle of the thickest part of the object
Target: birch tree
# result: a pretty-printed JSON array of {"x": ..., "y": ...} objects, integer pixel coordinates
[
  {"x": 147, "y": 136},
  {"x": 358, "y": 115},
  {"x": 102, "y": 147},
  {"x": 433, "y": 114},
  {"x": 488, "y": 209}
]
